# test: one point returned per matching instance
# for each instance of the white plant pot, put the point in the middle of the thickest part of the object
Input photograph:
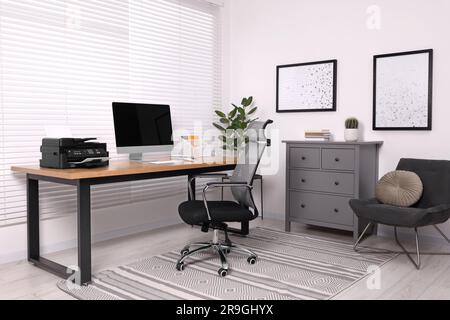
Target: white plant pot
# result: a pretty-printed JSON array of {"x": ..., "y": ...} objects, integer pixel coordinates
[{"x": 351, "y": 135}]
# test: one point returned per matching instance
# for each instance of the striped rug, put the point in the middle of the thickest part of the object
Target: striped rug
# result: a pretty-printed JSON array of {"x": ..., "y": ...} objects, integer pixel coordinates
[{"x": 290, "y": 267}]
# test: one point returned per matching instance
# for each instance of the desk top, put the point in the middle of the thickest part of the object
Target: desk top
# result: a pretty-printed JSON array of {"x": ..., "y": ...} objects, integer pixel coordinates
[{"x": 124, "y": 168}]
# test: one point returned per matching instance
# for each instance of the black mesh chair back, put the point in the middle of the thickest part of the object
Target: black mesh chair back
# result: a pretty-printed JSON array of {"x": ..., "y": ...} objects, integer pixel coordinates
[{"x": 249, "y": 159}]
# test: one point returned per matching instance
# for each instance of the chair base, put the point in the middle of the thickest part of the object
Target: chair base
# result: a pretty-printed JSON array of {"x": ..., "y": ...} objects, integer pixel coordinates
[
  {"x": 416, "y": 262},
  {"x": 222, "y": 249}
]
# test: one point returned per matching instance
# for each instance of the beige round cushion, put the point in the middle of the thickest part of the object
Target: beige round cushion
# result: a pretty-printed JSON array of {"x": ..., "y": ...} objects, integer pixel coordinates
[{"x": 399, "y": 188}]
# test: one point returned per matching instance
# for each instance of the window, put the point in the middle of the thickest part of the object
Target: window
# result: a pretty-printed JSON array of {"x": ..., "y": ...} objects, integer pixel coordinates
[{"x": 63, "y": 62}]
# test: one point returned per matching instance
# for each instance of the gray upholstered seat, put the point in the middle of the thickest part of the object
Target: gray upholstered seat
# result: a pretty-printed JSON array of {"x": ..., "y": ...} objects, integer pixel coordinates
[
  {"x": 377, "y": 212},
  {"x": 431, "y": 210}
]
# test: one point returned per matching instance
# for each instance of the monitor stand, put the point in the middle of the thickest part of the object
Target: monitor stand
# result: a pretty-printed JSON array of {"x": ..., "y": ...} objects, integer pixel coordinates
[{"x": 136, "y": 156}]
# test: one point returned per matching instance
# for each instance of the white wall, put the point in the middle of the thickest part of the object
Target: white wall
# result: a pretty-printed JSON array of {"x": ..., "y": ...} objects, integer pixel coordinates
[{"x": 262, "y": 34}]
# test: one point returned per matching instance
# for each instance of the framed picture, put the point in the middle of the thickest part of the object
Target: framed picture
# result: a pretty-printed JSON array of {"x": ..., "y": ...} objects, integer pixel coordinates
[
  {"x": 307, "y": 87},
  {"x": 403, "y": 90}
]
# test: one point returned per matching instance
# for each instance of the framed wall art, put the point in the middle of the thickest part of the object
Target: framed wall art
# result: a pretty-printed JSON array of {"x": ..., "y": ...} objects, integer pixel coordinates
[
  {"x": 307, "y": 87},
  {"x": 403, "y": 89}
]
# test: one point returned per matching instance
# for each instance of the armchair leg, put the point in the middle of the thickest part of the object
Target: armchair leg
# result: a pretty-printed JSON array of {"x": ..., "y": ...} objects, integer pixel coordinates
[
  {"x": 355, "y": 247},
  {"x": 442, "y": 233},
  {"x": 416, "y": 263}
]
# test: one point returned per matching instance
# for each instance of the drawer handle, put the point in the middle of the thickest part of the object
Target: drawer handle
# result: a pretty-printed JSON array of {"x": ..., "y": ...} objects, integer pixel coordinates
[
  {"x": 303, "y": 158},
  {"x": 303, "y": 180},
  {"x": 337, "y": 183},
  {"x": 336, "y": 210},
  {"x": 302, "y": 206},
  {"x": 337, "y": 160}
]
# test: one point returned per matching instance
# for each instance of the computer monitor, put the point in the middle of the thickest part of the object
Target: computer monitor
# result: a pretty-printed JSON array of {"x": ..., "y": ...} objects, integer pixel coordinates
[{"x": 142, "y": 128}]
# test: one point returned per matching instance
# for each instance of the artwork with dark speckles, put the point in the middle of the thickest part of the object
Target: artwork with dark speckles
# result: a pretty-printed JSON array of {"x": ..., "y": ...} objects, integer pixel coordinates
[
  {"x": 403, "y": 88},
  {"x": 307, "y": 87}
]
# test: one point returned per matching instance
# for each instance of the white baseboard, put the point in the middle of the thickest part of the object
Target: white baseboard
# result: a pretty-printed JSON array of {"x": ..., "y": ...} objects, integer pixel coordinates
[{"x": 105, "y": 236}]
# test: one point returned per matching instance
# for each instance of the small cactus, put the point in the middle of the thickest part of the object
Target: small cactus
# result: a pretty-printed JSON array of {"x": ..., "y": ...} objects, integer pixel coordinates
[{"x": 351, "y": 123}]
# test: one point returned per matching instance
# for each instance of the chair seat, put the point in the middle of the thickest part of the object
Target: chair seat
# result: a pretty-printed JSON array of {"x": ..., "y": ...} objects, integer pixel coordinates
[
  {"x": 194, "y": 212},
  {"x": 377, "y": 212}
]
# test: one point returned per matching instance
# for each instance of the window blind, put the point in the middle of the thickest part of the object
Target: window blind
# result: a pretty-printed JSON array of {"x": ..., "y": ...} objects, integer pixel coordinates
[{"x": 63, "y": 62}]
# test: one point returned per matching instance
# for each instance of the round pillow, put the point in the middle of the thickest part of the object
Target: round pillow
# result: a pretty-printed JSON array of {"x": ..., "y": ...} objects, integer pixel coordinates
[{"x": 399, "y": 188}]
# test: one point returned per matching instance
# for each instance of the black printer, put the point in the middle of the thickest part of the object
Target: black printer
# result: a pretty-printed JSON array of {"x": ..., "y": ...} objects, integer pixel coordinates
[{"x": 69, "y": 153}]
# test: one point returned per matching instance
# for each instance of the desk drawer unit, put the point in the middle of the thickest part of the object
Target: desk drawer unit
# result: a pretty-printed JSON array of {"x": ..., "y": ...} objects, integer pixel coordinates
[{"x": 321, "y": 179}]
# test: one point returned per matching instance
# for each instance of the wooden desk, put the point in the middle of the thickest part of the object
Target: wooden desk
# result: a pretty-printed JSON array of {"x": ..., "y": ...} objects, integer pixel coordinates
[{"x": 83, "y": 179}]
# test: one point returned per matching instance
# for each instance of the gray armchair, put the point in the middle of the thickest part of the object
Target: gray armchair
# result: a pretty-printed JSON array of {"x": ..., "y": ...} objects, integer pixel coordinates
[{"x": 432, "y": 209}]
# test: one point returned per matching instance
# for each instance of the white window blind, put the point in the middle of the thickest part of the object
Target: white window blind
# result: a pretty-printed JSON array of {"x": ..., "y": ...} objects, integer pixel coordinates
[{"x": 63, "y": 62}]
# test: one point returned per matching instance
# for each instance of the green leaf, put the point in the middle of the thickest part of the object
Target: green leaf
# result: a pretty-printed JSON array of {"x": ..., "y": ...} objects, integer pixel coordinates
[
  {"x": 225, "y": 121},
  {"x": 242, "y": 112},
  {"x": 246, "y": 102},
  {"x": 221, "y": 114},
  {"x": 219, "y": 127},
  {"x": 253, "y": 111},
  {"x": 233, "y": 113}
]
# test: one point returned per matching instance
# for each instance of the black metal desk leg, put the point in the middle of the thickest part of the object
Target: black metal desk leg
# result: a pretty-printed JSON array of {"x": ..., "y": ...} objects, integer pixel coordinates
[
  {"x": 84, "y": 232},
  {"x": 33, "y": 219}
]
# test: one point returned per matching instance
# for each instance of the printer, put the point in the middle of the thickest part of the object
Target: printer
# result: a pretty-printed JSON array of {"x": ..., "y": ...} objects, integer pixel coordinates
[{"x": 69, "y": 153}]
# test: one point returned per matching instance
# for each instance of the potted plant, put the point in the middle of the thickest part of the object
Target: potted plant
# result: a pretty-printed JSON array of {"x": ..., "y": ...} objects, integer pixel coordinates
[
  {"x": 233, "y": 125},
  {"x": 351, "y": 130}
]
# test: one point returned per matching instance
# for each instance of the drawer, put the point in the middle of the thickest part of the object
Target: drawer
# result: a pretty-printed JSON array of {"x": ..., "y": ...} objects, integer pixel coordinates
[
  {"x": 338, "y": 159},
  {"x": 341, "y": 183},
  {"x": 308, "y": 158},
  {"x": 323, "y": 208}
]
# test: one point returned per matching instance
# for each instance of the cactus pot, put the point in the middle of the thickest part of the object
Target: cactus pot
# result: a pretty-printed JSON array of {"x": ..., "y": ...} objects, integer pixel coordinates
[{"x": 351, "y": 135}]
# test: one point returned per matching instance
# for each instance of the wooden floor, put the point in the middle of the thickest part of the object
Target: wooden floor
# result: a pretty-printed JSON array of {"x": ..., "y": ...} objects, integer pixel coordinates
[{"x": 399, "y": 279}]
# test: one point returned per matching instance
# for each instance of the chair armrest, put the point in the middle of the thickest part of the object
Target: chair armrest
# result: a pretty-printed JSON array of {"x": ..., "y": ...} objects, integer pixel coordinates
[
  {"x": 205, "y": 176},
  {"x": 228, "y": 184}
]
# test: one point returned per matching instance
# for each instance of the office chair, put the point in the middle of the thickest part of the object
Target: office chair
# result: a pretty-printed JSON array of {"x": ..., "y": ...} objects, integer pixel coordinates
[{"x": 216, "y": 214}]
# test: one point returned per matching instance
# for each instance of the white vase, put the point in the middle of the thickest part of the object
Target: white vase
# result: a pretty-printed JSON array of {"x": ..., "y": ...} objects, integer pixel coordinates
[{"x": 351, "y": 135}]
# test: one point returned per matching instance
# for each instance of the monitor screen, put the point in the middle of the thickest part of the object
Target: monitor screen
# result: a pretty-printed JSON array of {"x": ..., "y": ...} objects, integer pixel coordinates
[{"x": 142, "y": 125}]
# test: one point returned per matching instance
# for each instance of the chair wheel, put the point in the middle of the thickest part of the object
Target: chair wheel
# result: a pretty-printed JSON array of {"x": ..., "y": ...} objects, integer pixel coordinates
[
  {"x": 227, "y": 251},
  {"x": 180, "y": 267},
  {"x": 251, "y": 260},
  {"x": 184, "y": 252},
  {"x": 223, "y": 273}
]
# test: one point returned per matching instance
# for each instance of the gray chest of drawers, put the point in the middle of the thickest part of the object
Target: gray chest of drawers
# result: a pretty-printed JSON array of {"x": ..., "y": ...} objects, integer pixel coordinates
[{"x": 321, "y": 178}]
